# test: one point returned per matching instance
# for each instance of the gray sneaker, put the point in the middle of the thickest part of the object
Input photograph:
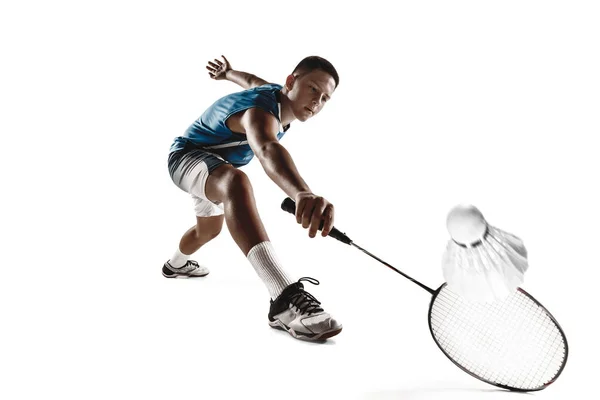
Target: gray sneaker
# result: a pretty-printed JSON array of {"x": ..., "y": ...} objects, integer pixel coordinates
[
  {"x": 191, "y": 269},
  {"x": 300, "y": 314}
]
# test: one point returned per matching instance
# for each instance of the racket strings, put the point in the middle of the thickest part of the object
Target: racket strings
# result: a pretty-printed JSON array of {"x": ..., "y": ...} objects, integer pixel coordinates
[{"x": 514, "y": 342}]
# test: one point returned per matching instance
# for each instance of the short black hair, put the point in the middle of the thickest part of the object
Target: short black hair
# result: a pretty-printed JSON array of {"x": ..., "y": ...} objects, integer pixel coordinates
[{"x": 315, "y": 62}]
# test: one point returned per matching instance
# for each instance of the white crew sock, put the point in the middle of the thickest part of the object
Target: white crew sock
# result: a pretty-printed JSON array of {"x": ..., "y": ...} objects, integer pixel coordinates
[
  {"x": 179, "y": 259},
  {"x": 269, "y": 269}
]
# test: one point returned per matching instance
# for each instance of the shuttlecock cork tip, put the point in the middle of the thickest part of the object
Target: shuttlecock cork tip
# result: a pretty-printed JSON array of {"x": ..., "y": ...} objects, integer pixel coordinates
[{"x": 466, "y": 224}]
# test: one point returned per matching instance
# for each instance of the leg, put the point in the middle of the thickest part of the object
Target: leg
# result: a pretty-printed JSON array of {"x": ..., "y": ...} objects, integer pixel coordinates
[
  {"x": 206, "y": 229},
  {"x": 292, "y": 309},
  {"x": 189, "y": 170},
  {"x": 232, "y": 187},
  {"x": 180, "y": 265}
]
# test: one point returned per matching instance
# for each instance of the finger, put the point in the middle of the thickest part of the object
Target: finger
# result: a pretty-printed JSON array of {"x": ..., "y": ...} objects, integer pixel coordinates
[
  {"x": 317, "y": 216},
  {"x": 218, "y": 62},
  {"x": 226, "y": 61},
  {"x": 215, "y": 66},
  {"x": 315, "y": 221},
  {"x": 299, "y": 210},
  {"x": 328, "y": 218},
  {"x": 318, "y": 206},
  {"x": 210, "y": 69},
  {"x": 307, "y": 214}
]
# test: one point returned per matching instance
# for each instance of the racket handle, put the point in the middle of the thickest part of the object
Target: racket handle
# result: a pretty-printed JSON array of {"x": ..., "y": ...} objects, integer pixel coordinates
[{"x": 290, "y": 206}]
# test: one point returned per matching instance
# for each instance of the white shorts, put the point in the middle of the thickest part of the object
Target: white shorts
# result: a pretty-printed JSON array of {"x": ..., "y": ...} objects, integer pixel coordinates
[{"x": 189, "y": 170}]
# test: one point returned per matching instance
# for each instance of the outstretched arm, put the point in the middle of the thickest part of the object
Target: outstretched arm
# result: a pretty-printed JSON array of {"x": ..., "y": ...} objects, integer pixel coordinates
[
  {"x": 222, "y": 70},
  {"x": 261, "y": 130}
]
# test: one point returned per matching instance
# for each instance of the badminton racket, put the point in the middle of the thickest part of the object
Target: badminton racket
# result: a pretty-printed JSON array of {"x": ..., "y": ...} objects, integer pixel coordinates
[{"x": 514, "y": 343}]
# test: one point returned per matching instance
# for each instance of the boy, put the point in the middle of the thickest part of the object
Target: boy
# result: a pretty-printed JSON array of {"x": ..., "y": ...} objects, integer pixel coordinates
[{"x": 205, "y": 160}]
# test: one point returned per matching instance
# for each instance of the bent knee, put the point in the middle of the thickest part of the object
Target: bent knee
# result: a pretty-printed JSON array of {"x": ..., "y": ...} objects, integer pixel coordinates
[
  {"x": 236, "y": 182},
  {"x": 225, "y": 183}
]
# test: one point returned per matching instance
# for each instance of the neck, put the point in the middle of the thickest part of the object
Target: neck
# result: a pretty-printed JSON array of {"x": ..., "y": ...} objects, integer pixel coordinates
[{"x": 287, "y": 115}]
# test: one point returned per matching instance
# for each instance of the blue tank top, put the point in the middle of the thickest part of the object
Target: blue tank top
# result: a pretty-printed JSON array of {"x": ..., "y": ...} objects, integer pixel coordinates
[{"x": 210, "y": 131}]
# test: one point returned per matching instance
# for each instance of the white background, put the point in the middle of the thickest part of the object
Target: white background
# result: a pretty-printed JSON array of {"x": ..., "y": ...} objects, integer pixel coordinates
[{"x": 490, "y": 103}]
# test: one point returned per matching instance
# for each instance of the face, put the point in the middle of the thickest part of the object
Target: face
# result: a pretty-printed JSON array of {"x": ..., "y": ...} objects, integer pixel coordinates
[{"x": 309, "y": 93}]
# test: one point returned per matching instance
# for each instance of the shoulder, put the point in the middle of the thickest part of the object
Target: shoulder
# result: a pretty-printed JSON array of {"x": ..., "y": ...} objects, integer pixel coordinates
[
  {"x": 263, "y": 102},
  {"x": 270, "y": 86},
  {"x": 265, "y": 95},
  {"x": 252, "y": 119},
  {"x": 268, "y": 90},
  {"x": 256, "y": 118},
  {"x": 255, "y": 108}
]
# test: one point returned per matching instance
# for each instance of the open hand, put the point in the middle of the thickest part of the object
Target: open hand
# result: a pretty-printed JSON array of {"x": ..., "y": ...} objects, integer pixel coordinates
[{"x": 218, "y": 69}]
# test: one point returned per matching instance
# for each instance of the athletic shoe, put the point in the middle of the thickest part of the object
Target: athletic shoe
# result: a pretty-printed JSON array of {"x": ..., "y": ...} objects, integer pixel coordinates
[
  {"x": 300, "y": 314},
  {"x": 191, "y": 269}
]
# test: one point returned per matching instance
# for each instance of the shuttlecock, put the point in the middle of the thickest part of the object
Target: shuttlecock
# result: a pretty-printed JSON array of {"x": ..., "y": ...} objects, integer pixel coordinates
[{"x": 481, "y": 262}]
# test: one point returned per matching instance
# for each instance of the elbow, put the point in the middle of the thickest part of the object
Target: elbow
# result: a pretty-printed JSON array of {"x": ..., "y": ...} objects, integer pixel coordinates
[{"x": 267, "y": 151}]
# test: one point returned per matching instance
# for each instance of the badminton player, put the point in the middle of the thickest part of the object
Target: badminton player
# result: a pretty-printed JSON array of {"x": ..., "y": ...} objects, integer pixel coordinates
[{"x": 205, "y": 162}]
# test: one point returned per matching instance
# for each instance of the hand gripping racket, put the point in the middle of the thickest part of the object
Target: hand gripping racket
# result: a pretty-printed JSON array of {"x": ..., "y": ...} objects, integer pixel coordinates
[{"x": 514, "y": 343}]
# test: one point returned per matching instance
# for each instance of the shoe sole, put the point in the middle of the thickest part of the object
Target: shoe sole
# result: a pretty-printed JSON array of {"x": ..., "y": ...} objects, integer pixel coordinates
[
  {"x": 182, "y": 276},
  {"x": 301, "y": 336}
]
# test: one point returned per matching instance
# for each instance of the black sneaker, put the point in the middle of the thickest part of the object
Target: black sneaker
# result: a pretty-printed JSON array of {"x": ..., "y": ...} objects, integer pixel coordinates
[
  {"x": 191, "y": 269},
  {"x": 300, "y": 314}
]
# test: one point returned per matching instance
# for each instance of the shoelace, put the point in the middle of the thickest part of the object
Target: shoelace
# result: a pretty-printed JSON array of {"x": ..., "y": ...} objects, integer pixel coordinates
[
  {"x": 190, "y": 265},
  {"x": 186, "y": 265},
  {"x": 304, "y": 301}
]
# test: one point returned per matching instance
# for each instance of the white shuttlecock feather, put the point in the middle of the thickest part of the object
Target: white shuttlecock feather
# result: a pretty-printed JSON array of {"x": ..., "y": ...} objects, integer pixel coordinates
[{"x": 481, "y": 262}]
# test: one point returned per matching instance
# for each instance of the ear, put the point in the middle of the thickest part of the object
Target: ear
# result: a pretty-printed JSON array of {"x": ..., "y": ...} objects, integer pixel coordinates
[{"x": 289, "y": 82}]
